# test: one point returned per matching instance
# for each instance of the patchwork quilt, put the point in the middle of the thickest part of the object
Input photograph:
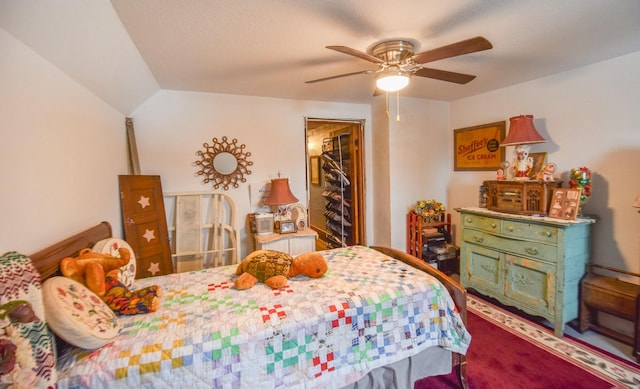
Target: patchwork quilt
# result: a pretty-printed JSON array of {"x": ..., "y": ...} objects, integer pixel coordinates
[{"x": 367, "y": 311}]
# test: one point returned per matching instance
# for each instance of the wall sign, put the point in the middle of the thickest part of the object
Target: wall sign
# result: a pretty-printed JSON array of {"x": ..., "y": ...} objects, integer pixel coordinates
[{"x": 478, "y": 148}]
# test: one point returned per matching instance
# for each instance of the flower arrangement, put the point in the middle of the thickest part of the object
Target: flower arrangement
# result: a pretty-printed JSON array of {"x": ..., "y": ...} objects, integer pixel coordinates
[
  {"x": 16, "y": 356},
  {"x": 428, "y": 209}
]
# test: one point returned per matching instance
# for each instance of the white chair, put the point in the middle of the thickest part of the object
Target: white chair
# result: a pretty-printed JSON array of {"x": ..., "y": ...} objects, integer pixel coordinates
[{"x": 203, "y": 230}]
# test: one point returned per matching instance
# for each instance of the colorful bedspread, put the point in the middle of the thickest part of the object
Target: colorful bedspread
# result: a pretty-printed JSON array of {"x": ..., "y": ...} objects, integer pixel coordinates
[{"x": 368, "y": 310}]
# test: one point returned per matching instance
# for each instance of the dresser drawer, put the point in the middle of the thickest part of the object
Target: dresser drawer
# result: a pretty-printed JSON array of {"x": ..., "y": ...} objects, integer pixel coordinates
[
  {"x": 521, "y": 247},
  {"x": 482, "y": 238},
  {"x": 531, "y": 249},
  {"x": 482, "y": 223},
  {"x": 529, "y": 231}
]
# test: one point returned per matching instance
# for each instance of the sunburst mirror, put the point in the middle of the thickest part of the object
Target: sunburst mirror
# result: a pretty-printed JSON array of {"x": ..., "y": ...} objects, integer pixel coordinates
[{"x": 223, "y": 163}]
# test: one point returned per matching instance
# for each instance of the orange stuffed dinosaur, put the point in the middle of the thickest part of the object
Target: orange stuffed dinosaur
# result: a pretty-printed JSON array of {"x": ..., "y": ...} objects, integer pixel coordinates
[{"x": 99, "y": 272}]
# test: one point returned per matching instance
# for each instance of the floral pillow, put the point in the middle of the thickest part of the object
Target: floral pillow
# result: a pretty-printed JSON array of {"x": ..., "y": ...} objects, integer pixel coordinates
[
  {"x": 110, "y": 246},
  {"x": 77, "y": 315},
  {"x": 27, "y": 350}
]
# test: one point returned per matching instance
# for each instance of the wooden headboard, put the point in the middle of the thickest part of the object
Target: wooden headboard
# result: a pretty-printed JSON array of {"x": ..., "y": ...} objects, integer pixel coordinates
[{"x": 47, "y": 260}]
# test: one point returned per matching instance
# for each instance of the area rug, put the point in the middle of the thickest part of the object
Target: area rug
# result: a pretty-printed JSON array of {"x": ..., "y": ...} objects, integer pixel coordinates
[{"x": 508, "y": 351}]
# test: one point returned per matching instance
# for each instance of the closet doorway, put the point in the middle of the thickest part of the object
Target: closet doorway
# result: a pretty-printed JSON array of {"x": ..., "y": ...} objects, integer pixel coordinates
[{"x": 335, "y": 177}]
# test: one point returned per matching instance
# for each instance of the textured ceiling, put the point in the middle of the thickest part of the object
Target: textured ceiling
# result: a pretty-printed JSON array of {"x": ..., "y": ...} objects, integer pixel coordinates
[{"x": 270, "y": 47}]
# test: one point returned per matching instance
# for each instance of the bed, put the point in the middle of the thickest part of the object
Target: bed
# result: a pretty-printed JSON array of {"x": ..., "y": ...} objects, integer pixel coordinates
[{"x": 376, "y": 319}]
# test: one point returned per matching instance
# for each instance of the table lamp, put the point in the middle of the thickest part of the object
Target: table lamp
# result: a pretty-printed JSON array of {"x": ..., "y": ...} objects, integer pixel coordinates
[
  {"x": 521, "y": 134},
  {"x": 280, "y": 195}
]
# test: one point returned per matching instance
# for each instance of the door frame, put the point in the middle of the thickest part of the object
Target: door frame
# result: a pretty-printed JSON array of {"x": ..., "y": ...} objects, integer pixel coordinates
[{"x": 357, "y": 127}]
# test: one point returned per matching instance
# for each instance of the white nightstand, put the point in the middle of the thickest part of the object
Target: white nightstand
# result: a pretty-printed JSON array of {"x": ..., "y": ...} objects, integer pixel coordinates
[{"x": 296, "y": 243}]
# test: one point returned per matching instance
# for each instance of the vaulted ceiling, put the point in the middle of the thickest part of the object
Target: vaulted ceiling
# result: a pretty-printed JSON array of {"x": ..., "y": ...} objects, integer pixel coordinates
[{"x": 126, "y": 50}]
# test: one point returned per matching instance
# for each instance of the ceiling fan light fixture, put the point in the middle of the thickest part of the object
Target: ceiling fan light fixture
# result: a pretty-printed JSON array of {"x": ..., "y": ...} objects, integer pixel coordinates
[{"x": 394, "y": 80}]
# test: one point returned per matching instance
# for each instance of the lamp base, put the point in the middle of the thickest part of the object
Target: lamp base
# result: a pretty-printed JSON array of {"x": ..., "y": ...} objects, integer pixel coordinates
[
  {"x": 281, "y": 213},
  {"x": 522, "y": 163}
]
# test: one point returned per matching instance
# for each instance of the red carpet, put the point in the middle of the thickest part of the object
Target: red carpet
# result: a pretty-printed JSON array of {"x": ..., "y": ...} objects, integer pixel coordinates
[{"x": 499, "y": 359}]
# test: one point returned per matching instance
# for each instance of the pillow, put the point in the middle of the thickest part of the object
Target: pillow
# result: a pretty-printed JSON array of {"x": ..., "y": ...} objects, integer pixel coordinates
[
  {"x": 110, "y": 246},
  {"x": 77, "y": 315},
  {"x": 20, "y": 281}
]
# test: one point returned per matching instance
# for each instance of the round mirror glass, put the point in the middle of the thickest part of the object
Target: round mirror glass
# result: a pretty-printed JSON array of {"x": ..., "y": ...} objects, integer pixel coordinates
[{"x": 225, "y": 163}]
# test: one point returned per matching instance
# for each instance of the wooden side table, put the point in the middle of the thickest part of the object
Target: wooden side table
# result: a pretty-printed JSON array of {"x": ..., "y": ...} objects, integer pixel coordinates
[
  {"x": 299, "y": 242},
  {"x": 416, "y": 240},
  {"x": 415, "y": 227},
  {"x": 613, "y": 296}
]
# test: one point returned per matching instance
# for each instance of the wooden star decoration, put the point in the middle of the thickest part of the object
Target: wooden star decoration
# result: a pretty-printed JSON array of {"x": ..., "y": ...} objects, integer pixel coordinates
[
  {"x": 144, "y": 202},
  {"x": 154, "y": 268},
  {"x": 149, "y": 235}
]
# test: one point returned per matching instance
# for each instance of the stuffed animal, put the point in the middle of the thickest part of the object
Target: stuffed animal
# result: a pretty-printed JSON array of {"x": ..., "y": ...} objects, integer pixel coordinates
[
  {"x": 99, "y": 272},
  {"x": 274, "y": 268}
]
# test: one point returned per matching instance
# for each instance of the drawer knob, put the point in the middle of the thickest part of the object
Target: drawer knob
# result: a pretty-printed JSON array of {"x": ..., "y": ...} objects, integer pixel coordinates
[
  {"x": 531, "y": 251},
  {"x": 494, "y": 225},
  {"x": 510, "y": 228},
  {"x": 478, "y": 239},
  {"x": 548, "y": 234}
]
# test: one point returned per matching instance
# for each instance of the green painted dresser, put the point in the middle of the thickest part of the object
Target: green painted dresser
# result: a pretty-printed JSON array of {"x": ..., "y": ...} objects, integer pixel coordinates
[{"x": 532, "y": 263}]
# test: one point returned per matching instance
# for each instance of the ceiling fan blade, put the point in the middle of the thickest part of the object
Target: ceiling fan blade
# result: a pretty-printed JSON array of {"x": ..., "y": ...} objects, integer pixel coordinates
[
  {"x": 339, "y": 76},
  {"x": 453, "y": 50},
  {"x": 356, "y": 53},
  {"x": 444, "y": 75}
]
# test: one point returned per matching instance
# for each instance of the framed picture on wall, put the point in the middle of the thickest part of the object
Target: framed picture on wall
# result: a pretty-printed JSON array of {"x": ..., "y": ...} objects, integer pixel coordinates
[
  {"x": 314, "y": 169},
  {"x": 478, "y": 147}
]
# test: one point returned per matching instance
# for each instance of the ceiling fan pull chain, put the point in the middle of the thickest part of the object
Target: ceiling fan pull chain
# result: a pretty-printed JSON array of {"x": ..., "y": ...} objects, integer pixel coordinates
[
  {"x": 397, "y": 106},
  {"x": 386, "y": 95}
]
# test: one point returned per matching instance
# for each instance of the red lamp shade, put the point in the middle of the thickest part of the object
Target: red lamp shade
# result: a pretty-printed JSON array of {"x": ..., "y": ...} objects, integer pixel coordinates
[
  {"x": 280, "y": 193},
  {"x": 522, "y": 131}
]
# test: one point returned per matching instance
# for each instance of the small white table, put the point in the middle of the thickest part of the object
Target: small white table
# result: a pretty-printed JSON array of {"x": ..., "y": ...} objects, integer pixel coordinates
[{"x": 294, "y": 243}]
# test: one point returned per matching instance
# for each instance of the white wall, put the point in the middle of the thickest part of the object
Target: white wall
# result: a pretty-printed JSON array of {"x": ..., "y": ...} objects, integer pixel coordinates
[
  {"x": 589, "y": 118},
  {"x": 61, "y": 151},
  {"x": 173, "y": 125},
  {"x": 418, "y": 163},
  {"x": 380, "y": 178}
]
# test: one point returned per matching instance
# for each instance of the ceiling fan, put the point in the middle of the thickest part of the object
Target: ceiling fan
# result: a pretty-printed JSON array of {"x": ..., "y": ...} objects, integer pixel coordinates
[{"x": 397, "y": 62}]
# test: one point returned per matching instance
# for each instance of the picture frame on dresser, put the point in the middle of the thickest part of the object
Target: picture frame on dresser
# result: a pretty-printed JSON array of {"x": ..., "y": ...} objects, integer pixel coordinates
[
  {"x": 565, "y": 203},
  {"x": 286, "y": 226},
  {"x": 251, "y": 222},
  {"x": 539, "y": 160}
]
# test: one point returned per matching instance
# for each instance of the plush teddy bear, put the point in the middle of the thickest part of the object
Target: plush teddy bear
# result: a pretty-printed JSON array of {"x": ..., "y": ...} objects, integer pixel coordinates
[
  {"x": 274, "y": 268},
  {"x": 99, "y": 272}
]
